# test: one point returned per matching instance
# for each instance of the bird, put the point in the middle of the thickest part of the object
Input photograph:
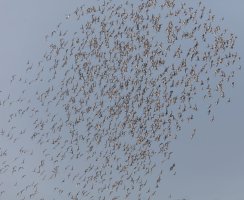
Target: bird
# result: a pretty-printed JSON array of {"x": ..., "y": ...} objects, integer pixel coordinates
[{"x": 108, "y": 96}]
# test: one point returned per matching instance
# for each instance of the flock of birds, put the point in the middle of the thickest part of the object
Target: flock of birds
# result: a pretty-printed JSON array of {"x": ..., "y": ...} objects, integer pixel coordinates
[{"x": 94, "y": 118}]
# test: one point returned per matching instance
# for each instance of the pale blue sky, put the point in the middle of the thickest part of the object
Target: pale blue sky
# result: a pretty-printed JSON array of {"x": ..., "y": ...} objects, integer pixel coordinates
[{"x": 210, "y": 167}]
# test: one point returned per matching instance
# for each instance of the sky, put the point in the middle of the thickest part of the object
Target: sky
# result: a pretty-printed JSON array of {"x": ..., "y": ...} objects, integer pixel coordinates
[
  {"x": 211, "y": 165},
  {"x": 208, "y": 167}
]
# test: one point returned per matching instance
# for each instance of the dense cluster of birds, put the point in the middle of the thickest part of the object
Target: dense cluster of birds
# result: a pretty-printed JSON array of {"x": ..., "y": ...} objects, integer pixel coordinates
[{"x": 94, "y": 118}]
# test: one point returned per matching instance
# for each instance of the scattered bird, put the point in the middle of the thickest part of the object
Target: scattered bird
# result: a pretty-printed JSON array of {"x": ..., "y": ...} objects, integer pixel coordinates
[{"x": 102, "y": 106}]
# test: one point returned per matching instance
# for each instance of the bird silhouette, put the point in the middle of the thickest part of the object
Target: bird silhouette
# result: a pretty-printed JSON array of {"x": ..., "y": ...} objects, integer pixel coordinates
[{"x": 109, "y": 96}]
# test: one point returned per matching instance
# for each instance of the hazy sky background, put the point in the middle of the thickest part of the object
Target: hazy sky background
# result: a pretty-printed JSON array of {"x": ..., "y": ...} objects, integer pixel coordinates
[{"x": 210, "y": 167}]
